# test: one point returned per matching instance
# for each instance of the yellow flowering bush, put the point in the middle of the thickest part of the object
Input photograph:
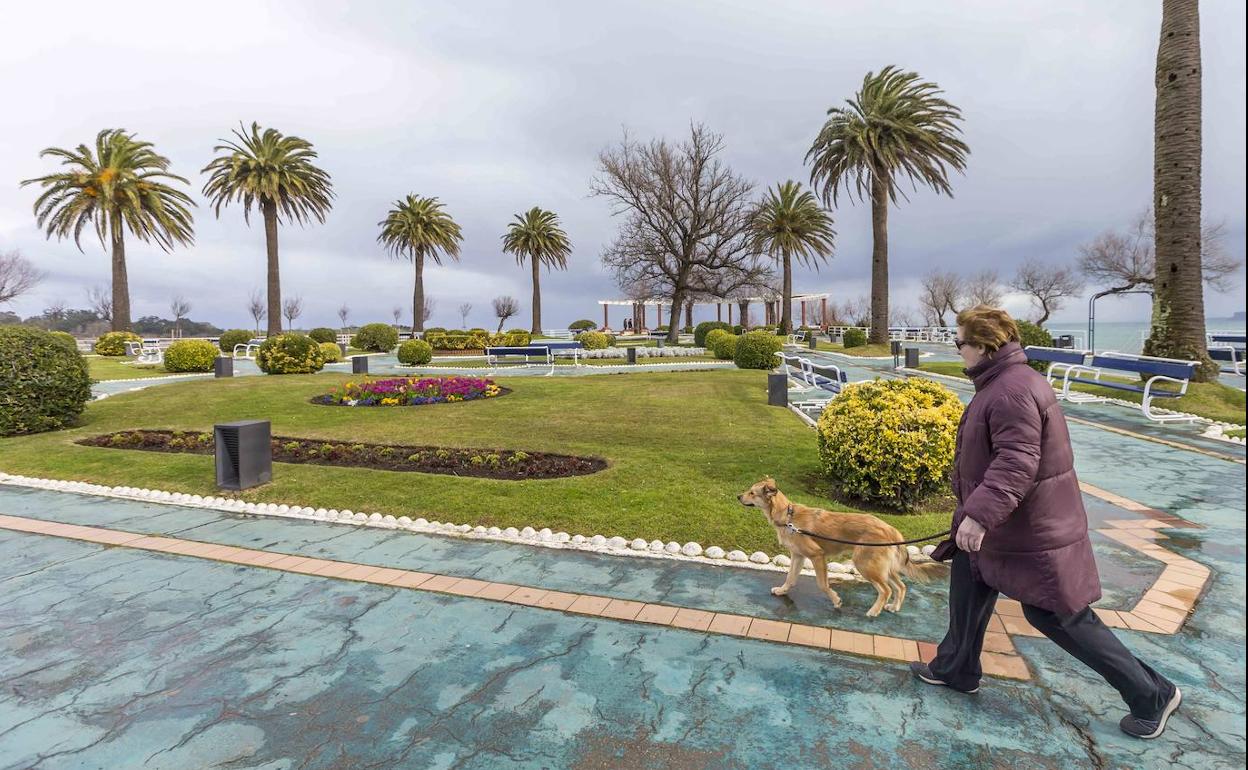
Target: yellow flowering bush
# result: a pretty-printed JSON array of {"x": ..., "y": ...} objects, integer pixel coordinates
[
  {"x": 290, "y": 354},
  {"x": 190, "y": 356},
  {"x": 890, "y": 441},
  {"x": 330, "y": 352},
  {"x": 114, "y": 343}
]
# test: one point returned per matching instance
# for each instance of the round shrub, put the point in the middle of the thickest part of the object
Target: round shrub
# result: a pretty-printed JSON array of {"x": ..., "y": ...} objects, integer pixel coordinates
[
  {"x": 1034, "y": 334},
  {"x": 330, "y": 351},
  {"x": 233, "y": 337},
  {"x": 375, "y": 338},
  {"x": 593, "y": 340},
  {"x": 434, "y": 330},
  {"x": 756, "y": 350},
  {"x": 324, "y": 334},
  {"x": 736, "y": 329},
  {"x": 722, "y": 344},
  {"x": 190, "y": 356},
  {"x": 66, "y": 339},
  {"x": 582, "y": 325},
  {"x": 290, "y": 354},
  {"x": 890, "y": 441},
  {"x": 854, "y": 338},
  {"x": 43, "y": 384},
  {"x": 701, "y": 330},
  {"x": 114, "y": 343},
  {"x": 415, "y": 353},
  {"x": 478, "y": 330}
]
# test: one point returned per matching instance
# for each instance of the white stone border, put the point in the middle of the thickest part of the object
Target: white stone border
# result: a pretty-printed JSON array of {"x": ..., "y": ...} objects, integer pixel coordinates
[
  {"x": 544, "y": 538},
  {"x": 158, "y": 377}
]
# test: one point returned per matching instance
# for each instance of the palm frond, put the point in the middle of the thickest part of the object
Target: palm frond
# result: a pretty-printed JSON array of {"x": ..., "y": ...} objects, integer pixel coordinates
[{"x": 536, "y": 235}]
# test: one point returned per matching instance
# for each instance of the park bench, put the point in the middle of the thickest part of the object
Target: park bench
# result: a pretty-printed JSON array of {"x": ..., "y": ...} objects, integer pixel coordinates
[
  {"x": 248, "y": 348},
  {"x": 1228, "y": 348},
  {"x": 145, "y": 352},
  {"x": 1150, "y": 368},
  {"x": 546, "y": 351},
  {"x": 1058, "y": 359}
]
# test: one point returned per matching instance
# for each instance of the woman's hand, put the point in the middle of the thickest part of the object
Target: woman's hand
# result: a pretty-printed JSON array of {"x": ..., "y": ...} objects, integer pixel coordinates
[{"x": 970, "y": 535}]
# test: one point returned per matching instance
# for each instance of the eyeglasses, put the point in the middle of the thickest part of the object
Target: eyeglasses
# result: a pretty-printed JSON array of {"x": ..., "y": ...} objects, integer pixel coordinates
[{"x": 959, "y": 344}]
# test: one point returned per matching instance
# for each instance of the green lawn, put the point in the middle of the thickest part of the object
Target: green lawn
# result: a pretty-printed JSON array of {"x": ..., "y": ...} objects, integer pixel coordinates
[
  {"x": 1234, "y": 433},
  {"x": 116, "y": 368},
  {"x": 866, "y": 351},
  {"x": 681, "y": 446},
  {"x": 1211, "y": 400}
]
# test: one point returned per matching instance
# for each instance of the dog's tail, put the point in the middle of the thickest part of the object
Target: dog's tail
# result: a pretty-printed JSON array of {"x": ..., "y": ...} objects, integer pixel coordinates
[{"x": 922, "y": 571}]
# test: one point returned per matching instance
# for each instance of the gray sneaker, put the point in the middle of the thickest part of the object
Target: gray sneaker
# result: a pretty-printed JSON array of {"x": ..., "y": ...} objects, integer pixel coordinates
[
  {"x": 924, "y": 674},
  {"x": 1151, "y": 728}
]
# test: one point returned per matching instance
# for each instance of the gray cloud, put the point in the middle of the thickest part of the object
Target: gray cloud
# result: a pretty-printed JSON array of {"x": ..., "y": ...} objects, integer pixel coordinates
[{"x": 496, "y": 107}]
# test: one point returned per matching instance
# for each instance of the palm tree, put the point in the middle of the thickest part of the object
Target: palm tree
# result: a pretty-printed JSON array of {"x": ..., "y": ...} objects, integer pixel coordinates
[
  {"x": 1178, "y": 324},
  {"x": 895, "y": 125},
  {"x": 119, "y": 185},
  {"x": 789, "y": 223},
  {"x": 537, "y": 236},
  {"x": 416, "y": 228},
  {"x": 274, "y": 173}
]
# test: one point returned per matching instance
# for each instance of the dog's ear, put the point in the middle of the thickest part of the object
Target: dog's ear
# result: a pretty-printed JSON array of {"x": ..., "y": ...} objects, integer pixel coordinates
[{"x": 769, "y": 487}]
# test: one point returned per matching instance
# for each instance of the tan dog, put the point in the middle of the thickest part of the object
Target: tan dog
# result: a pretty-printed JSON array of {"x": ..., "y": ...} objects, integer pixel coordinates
[{"x": 881, "y": 566}]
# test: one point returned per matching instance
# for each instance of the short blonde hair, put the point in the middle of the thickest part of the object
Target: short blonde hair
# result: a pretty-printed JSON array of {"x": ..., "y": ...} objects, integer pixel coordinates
[{"x": 987, "y": 327}]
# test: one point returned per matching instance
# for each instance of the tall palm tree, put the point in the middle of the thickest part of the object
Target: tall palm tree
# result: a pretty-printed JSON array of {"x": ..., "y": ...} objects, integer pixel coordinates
[
  {"x": 895, "y": 125},
  {"x": 276, "y": 174},
  {"x": 119, "y": 185},
  {"x": 416, "y": 228},
  {"x": 1178, "y": 324},
  {"x": 789, "y": 223},
  {"x": 537, "y": 236}
]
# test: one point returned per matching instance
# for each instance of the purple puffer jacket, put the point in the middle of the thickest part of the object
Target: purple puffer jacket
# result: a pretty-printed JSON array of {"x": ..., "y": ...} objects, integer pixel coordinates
[{"x": 1014, "y": 474}]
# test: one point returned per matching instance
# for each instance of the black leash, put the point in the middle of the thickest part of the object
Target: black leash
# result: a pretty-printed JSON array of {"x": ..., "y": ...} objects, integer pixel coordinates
[{"x": 793, "y": 528}]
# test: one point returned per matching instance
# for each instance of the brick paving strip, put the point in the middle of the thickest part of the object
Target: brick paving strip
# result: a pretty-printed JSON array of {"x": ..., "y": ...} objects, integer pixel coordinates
[{"x": 1163, "y": 608}]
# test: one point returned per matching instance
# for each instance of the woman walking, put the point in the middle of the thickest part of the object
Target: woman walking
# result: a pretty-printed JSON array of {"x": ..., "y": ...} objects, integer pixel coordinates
[{"x": 1020, "y": 529}]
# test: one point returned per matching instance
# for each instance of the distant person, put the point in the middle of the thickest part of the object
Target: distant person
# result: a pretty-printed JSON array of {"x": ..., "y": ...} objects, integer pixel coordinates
[{"x": 1020, "y": 529}]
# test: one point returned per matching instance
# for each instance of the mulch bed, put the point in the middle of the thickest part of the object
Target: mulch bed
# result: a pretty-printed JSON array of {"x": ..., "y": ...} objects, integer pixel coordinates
[{"x": 504, "y": 464}]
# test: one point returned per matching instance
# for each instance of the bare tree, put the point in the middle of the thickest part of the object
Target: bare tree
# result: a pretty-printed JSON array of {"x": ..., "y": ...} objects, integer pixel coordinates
[
  {"x": 858, "y": 311},
  {"x": 902, "y": 316},
  {"x": 18, "y": 275},
  {"x": 464, "y": 309},
  {"x": 344, "y": 312},
  {"x": 179, "y": 307},
  {"x": 258, "y": 308},
  {"x": 1125, "y": 260},
  {"x": 1047, "y": 285},
  {"x": 504, "y": 307},
  {"x": 684, "y": 211},
  {"x": 100, "y": 300},
  {"x": 941, "y": 293},
  {"x": 396, "y": 313},
  {"x": 292, "y": 308},
  {"x": 55, "y": 311},
  {"x": 984, "y": 288}
]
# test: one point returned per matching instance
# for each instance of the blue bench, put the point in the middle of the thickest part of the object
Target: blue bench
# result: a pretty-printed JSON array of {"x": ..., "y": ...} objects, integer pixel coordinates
[
  {"x": 1152, "y": 369},
  {"x": 545, "y": 350},
  {"x": 1228, "y": 348},
  {"x": 1059, "y": 359}
]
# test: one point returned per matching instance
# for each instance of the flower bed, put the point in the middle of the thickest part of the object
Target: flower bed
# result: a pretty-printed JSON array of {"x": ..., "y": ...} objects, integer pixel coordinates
[
  {"x": 507, "y": 464},
  {"x": 411, "y": 391}
]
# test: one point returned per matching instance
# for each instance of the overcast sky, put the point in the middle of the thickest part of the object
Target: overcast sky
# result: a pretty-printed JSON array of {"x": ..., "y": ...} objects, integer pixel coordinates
[{"x": 497, "y": 107}]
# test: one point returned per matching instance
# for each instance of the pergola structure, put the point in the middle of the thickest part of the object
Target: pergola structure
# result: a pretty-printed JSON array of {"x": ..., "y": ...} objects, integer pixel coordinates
[{"x": 771, "y": 309}]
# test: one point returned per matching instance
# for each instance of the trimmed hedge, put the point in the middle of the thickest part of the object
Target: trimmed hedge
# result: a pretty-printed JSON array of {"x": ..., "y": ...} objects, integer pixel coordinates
[
  {"x": 582, "y": 325},
  {"x": 375, "y": 338},
  {"x": 67, "y": 339},
  {"x": 476, "y": 340},
  {"x": 701, "y": 330},
  {"x": 722, "y": 344},
  {"x": 757, "y": 350},
  {"x": 190, "y": 356},
  {"x": 1034, "y": 334},
  {"x": 43, "y": 384},
  {"x": 415, "y": 353},
  {"x": 890, "y": 441},
  {"x": 324, "y": 334},
  {"x": 594, "y": 340},
  {"x": 854, "y": 338},
  {"x": 114, "y": 343},
  {"x": 290, "y": 354},
  {"x": 330, "y": 351},
  {"x": 233, "y": 337}
]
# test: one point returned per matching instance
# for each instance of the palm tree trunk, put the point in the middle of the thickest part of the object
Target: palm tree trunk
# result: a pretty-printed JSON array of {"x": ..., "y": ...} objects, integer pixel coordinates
[
  {"x": 121, "y": 286},
  {"x": 274, "y": 276},
  {"x": 786, "y": 313},
  {"x": 1178, "y": 323},
  {"x": 879, "y": 260},
  {"x": 537, "y": 295},
  {"x": 418, "y": 294}
]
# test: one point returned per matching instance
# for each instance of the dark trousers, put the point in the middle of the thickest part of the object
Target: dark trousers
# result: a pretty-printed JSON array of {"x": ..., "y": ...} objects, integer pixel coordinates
[{"x": 1083, "y": 635}]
